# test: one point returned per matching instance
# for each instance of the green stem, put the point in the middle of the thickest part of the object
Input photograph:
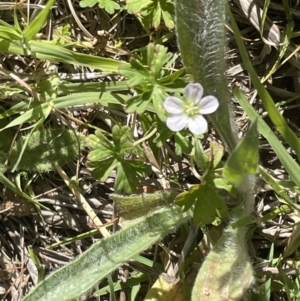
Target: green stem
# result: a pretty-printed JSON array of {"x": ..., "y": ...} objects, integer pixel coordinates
[
  {"x": 226, "y": 273},
  {"x": 202, "y": 41},
  {"x": 145, "y": 138}
]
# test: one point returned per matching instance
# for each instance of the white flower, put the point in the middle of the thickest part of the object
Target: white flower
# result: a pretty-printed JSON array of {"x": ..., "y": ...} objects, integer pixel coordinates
[{"x": 188, "y": 112}]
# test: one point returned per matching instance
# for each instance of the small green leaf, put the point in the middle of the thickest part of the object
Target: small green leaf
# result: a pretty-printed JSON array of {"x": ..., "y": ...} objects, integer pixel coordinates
[
  {"x": 182, "y": 144},
  {"x": 173, "y": 79},
  {"x": 9, "y": 33},
  {"x": 146, "y": 75},
  {"x": 155, "y": 15},
  {"x": 150, "y": 55},
  {"x": 158, "y": 97},
  {"x": 141, "y": 73},
  {"x": 209, "y": 206},
  {"x": 62, "y": 35},
  {"x": 244, "y": 158},
  {"x": 108, "y": 155},
  {"x": 136, "y": 6},
  {"x": 167, "y": 12},
  {"x": 290, "y": 165},
  {"x": 187, "y": 199},
  {"x": 159, "y": 59},
  {"x": 128, "y": 172},
  {"x": 201, "y": 158},
  {"x": 88, "y": 3},
  {"x": 104, "y": 168},
  {"x": 135, "y": 73},
  {"x": 139, "y": 103},
  {"x": 109, "y": 5},
  {"x": 162, "y": 136},
  {"x": 41, "y": 111},
  {"x": 103, "y": 148},
  {"x": 40, "y": 267},
  {"x": 223, "y": 184},
  {"x": 122, "y": 137},
  {"x": 217, "y": 151}
]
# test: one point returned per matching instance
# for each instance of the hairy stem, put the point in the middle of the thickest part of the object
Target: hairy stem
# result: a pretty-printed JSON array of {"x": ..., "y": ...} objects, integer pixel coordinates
[
  {"x": 226, "y": 273},
  {"x": 202, "y": 40}
]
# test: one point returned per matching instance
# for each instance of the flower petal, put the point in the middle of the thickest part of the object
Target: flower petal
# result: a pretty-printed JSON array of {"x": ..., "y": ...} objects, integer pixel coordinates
[
  {"x": 177, "y": 122},
  {"x": 208, "y": 104},
  {"x": 197, "y": 125},
  {"x": 193, "y": 92},
  {"x": 173, "y": 105}
]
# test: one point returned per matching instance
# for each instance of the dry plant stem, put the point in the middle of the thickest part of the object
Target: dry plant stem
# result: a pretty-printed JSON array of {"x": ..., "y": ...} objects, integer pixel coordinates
[
  {"x": 20, "y": 81},
  {"x": 11, "y": 5},
  {"x": 272, "y": 32},
  {"x": 82, "y": 201},
  {"x": 254, "y": 15},
  {"x": 88, "y": 35}
]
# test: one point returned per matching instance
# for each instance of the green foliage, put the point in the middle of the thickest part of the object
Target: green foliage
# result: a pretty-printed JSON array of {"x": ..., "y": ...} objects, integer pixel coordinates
[
  {"x": 131, "y": 283},
  {"x": 3, "y": 157},
  {"x": 148, "y": 76},
  {"x": 132, "y": 208},
  {"x": 38, "y": 22},
  {"x": 109, "y": 155},
  {"x": 226, "y": 272},
  {"x": 76, "y": 278},
  {"x": 277, "y": 119},
  {"x": 8, "y": 32},
  {"x": 6, "y": 137},
  {"x": 47, "y": 148},
  {"x": 109, "y": 5},
  {"x": 12, "y": 41},
  {"x": 137, "y": 6},
  {"x": 182, "y": 142},
  {"x": 202, "y": 39},
  {"x": 244, "y": 158},
  {"x": 202, "y": 159},
  {"x": 209, "y": 206},
  {"x": 285, "y": 158},
  {"x": 62, "y": 35},
  {"x": 38, "y": 264},
  {"x": 128, "y": 204},
  {"x": 150, "y": 12}
]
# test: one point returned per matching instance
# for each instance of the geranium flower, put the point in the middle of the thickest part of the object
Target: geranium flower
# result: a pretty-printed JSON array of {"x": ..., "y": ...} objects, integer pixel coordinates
[{"x": 188, "y": 112}]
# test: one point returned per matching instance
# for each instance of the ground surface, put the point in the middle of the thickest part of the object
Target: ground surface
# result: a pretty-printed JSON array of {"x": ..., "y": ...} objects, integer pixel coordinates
[{"x": 116, "y": 36}]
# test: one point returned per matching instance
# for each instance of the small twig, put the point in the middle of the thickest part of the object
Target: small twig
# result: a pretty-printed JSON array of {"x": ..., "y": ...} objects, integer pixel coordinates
[
  {"x": 88, "y": 35},
  {"x": 80, "y": 198}
]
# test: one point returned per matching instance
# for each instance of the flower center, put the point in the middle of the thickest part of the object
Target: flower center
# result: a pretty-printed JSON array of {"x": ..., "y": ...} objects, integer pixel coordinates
[{"x": 191, "y": 109}]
